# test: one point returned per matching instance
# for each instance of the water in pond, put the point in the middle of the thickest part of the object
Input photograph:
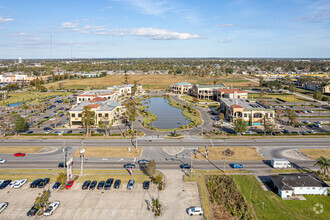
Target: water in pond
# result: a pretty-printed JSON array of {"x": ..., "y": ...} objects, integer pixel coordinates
[{"x": 169, "y": 117}]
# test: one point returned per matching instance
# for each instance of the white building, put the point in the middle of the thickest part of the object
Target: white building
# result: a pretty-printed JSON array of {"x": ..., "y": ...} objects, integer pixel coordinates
[
  {"x": 20, "y": 60},
  {"x": 288, "y": 185}
]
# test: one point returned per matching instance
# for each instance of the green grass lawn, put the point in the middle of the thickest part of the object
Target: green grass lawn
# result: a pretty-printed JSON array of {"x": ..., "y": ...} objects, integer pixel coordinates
[
  {"x": 285, "y": 97},
  {"x": 275, "y": 207},
  {"x": 30, "y": 96}
]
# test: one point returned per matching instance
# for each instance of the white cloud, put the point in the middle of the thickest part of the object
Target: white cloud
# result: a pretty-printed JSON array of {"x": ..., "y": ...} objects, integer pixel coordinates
[
  {"x": 69, "y": 24},
  {"x": 3, "y": 20},
  {"x": 21, "y": 34},
  {"x": 151, "y": 33},
  {"x": 225, "y": 41},
  {"x": 162, "y": 34},
  {"x": 106, "y": 8},
  {"x": 225, "y": 25}
]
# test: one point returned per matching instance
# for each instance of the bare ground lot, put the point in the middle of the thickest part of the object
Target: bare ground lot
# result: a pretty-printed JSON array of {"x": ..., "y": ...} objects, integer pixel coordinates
[
  {"x": 12, "y": 150},
  {"x": 316, "y": 153},
  {"x": 107, "y": 204},
  {"x": 238, "y": 154}
]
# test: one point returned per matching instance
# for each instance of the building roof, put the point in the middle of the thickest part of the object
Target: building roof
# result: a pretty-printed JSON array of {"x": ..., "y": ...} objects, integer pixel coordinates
[
  {"x": 107, "y": 105},
  {"x": 87, "y": 95},
  {"x": 93, "y": 105},
  {"x": 182, "y": 84},
  {"x": 236, "y": 106},
  {"x": 289, "y": 181},
  {"x": 246, "y": 104},
  {"x": 97, "y": 99},
  {"x": 231, "y": 90}
]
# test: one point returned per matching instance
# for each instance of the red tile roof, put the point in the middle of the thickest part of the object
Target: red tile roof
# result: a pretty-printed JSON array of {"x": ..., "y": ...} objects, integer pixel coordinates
[
  {"x": 236, "y": 106},
  {"x": 108, "y": 93},
  {"x": 231, "y": 90},
  {"x": 93, "y": 106},
  {"x": 97, "y": 99}
]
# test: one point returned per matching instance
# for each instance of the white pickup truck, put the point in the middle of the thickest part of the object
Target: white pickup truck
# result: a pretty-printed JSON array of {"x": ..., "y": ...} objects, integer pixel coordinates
[{"x": 280, "y": 163}]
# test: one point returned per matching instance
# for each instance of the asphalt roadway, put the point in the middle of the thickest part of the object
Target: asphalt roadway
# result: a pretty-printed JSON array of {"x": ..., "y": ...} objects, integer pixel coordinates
[{"x": 169, "y": 154}]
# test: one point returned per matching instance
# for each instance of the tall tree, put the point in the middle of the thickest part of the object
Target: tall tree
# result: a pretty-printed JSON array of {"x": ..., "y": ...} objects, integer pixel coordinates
[
  {"x": 240, "y": 126},
  {"x": 19, "y": 123},
  {"x": 291, "y": 115},
  {"x": 317, "y": 95},
  {"x": 105, "y": 126},
  {"x": 88, "y": 118},
  {"x": 324, "y": 164}
]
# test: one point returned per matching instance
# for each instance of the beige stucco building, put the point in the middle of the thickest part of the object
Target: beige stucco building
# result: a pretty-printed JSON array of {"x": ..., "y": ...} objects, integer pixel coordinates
[{"x": 181, "y": 88}]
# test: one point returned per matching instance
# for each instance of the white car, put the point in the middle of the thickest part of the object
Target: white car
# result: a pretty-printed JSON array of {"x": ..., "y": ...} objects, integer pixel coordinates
[
  {"x": 195, "y": 211},
  {"x": 318, "y": 125},
  {"x": 58, "y": 132},
  {"x": 20, "y": 183},
  {"x": 2, "y": 161},
  {"x": 319, "y": 122},
  {"x": 311, "y": 111},
  {"x": 13, "y": 183},
  {"x": 3, "y": 206},
  {"x": 51, "y": 208},
  {"x": 312, "y": 131}
]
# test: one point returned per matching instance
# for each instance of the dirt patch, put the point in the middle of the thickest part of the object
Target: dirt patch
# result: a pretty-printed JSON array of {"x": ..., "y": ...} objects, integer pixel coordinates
[
  {"x": 27, "y": 150},
  {"x": 316, "y": 153},
  {"x": 109, "y": 152},
  {"x": 239, "y": 154}
]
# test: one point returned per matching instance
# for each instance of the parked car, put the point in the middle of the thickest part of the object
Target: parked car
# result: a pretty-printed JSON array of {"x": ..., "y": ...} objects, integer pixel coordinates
[
  {"x": 108, "y": 184},
  {"x": 56, "y": 185},
  {"x": 69, "y": 132},
  {"x": 286, "y": 131},
  {"x": 295, "y": 132},
  {"x": 237, "y": 165},
  {"x": 58, "y": 132},
  {"x": 4, "y": 184},
  {"x": 61, "y": 164},
  {"x": 129, "y": 165},
  {"x": 146, "y": 184},
  {"x": 319, "y": 122},
  {"x": 51, "y": 208},
  {"x": 143, "y": 161},
  {"x": 33, "y": 211},
  {"x": 19, "y": 183},
  {"x": 310, "y": 111},
  {"x": 318, "y": 125},
  {"x": 312, "y": 132},
  {"x": 304, "y": 111},
  {"x": 29, "y": 132},
  {"x": 43, "y": 183},
  {"x": 69, "y": 184},
  {"x": 298, "y": 112},
  {"x": 117, "y": 184},
  {"x": 130, "y": 184},
  {"x": 2, "y": 161},
  {"x": 185, "y": 166},
  {"x": 93, "y": 184},
  {"x": 3, "y": 206},
  {"x": 11, "y": 185},
  {"x": 100, "y": 185},
  {"x": 195, "y": 211},
  {"x": 19, "y": 154},
  {"x": 86, "y": 184},
  {"x": 35, "y": 183}
]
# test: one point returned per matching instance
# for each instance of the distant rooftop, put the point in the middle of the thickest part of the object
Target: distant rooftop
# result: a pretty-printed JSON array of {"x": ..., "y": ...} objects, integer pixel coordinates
[
  {"x": 244, "y": 103},
  {"x": 182, "y": 84},
  {"x": 106, "y": 105}
]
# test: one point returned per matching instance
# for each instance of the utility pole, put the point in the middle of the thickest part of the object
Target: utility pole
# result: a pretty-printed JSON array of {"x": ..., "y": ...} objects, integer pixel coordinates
[
  {"x": 224, "y": 156},
  {"x": 136, "y": 141},
  {"x": 82, "y": 151}
]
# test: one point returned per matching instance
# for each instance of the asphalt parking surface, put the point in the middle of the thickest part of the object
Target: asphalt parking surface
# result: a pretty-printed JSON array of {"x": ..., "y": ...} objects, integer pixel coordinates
[{"x": 120, "y": 203}]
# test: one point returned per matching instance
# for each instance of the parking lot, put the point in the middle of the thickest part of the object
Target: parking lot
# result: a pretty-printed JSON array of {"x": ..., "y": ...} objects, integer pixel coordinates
[{"x": 120, "y": 203}]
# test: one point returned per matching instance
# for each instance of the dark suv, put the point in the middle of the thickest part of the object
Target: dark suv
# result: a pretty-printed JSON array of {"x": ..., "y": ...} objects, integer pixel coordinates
[
  {"x": 35, "y": 183},
  {"x": 108, "y": 184},
  {"x": 43, "y": 183},
  {"x": 33, "y": 211}
]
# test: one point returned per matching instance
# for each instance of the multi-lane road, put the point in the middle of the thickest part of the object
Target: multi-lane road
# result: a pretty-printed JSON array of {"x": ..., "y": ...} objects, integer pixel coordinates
[{"x": 167, "y": 153}]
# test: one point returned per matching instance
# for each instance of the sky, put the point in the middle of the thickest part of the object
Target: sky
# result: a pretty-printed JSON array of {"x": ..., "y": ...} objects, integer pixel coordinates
[{"x": 164, "y": 28}]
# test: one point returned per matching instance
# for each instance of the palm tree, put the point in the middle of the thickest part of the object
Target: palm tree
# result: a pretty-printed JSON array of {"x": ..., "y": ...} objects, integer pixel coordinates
[{"x": 324, "y": 164}]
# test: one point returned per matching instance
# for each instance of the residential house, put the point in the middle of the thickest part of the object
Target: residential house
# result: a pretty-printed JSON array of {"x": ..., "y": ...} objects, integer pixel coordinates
[{"x": 288, "y": 185}]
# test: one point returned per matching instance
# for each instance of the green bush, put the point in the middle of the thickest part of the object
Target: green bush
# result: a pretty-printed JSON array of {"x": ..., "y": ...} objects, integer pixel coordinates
[{"x": 325, "y": 99}]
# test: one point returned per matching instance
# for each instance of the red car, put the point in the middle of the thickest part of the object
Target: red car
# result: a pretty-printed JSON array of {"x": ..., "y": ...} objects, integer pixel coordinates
[
  {"x": 69, "y": 184},
  {"x": 298, "y": 111},
  {"x": 19, "y": 155}
]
